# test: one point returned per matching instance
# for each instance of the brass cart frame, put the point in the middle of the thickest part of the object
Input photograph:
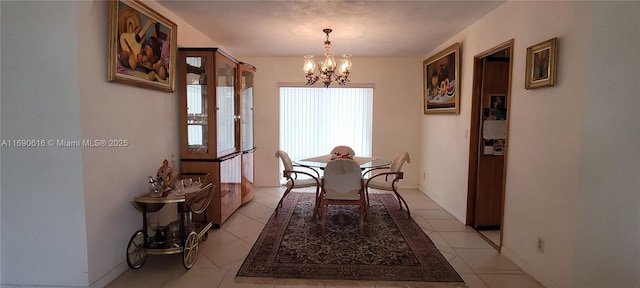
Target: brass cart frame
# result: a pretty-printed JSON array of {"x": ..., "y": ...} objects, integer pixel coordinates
[{"x": 141, "y": 244}]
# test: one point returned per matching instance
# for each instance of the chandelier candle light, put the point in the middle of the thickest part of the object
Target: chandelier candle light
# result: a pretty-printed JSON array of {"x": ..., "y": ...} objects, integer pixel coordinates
[{"x": 327, "y": 68}]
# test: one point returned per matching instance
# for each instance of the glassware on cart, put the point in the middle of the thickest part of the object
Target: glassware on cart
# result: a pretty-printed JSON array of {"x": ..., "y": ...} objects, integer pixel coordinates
[
  {"x": 155, "y": 188},
  {"x": 160, "y": 239},
  {"x": 173, "y": 235},
  {"x": 196, "y": 182},
  {"x": 187, "y": 183},
  {"x": 187, "y": 223},
  {"x": 153, "y": 227},
  {"x": 156, "y": 232},
  {"x": 179, "y": 188}
]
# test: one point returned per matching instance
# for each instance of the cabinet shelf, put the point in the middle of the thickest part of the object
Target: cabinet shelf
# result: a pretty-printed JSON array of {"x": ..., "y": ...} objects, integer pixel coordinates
[
  {"x": 197, "y": 119},
  {"x": 195, "y": 70}
]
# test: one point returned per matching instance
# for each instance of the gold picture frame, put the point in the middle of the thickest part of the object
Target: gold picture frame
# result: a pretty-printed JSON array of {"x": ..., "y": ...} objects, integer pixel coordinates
[
  {"x": 541, "y": 64},
  {"x": 142, "y": 46},
  {"x": 441, "y": 81}
]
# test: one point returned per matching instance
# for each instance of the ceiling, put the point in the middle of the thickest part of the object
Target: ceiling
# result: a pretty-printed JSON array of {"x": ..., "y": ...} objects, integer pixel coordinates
[{"x": 361, "y": 28}]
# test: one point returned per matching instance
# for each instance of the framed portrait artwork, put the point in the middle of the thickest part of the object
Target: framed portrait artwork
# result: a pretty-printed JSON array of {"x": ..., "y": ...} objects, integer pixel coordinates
[
  {"x": 541, "y": 64},
  {"x": 497, "y": 108},
  {"x": 441, "y": 81},
  {"x": 142, "y": 46}
]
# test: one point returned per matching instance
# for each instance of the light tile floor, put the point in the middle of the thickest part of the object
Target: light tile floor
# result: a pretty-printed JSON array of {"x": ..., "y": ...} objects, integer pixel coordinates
[
  {"x": 493, "y": 235},
  {"x": 222, "y": 254}
]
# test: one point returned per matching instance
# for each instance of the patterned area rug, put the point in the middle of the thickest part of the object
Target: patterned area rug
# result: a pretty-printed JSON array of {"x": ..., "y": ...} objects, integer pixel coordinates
[{"x": 392, "y": 247}]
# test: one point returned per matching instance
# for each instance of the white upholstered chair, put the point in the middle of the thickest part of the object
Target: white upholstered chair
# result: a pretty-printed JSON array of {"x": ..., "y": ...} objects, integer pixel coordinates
[
  {"x": 292, "y": 172},
  {"x": 386, "y": 178},
  {"x": 343, "y": 150},
  {"x": 343, "y": 185}
]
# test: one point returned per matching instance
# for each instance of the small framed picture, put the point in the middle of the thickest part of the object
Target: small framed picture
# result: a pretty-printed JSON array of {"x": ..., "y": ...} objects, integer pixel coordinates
[
  {"x": 541, "y": 64},
  {"x": 142, "y": 46}
]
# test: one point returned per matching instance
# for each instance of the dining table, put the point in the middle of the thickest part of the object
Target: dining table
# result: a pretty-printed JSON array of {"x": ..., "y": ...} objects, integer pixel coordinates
[{"x": 364, "y": 162}]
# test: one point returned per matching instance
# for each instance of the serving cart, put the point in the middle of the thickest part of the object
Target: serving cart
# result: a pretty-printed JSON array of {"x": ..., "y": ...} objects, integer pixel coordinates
[{"x": 183, "y": 238}]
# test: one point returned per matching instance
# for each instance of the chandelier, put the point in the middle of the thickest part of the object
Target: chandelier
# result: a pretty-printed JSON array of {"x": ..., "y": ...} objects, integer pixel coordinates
[{"x": 327, "y": 68}]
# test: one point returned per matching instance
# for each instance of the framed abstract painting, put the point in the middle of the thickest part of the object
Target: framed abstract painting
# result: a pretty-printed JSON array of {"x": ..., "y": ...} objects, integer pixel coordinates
[{"x": 142, "y": 46}]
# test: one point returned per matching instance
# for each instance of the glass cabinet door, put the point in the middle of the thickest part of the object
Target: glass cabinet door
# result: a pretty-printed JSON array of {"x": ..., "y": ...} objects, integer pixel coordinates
[
  {"x": 196, "y": 96},
  {"x": 246, "y": 112},
  {"x": 209, "y": 103},
  {"x": 225, "y": 105}
]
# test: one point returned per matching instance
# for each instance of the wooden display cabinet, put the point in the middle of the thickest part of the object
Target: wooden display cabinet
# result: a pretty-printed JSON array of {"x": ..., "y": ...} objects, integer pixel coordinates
[{"x": 210, "y": 127}]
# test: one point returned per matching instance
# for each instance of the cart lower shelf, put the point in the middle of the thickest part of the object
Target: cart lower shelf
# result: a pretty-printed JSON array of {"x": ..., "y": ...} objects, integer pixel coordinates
[{"x": 137, "y": 252}]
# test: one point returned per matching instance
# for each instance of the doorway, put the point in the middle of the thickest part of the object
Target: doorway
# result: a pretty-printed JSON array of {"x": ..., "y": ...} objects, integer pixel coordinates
[{"x": 489, "y": 141}]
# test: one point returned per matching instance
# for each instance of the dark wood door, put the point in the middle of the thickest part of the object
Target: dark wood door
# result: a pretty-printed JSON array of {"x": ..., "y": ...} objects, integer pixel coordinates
[{"x": 491, "y": 158}]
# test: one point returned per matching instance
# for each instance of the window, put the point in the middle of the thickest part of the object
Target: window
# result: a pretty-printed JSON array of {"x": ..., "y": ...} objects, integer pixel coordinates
[{"x": 314, "y": 120}]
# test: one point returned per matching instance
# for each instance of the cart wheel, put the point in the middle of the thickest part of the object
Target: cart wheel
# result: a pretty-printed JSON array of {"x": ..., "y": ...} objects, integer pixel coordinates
[
  {"x": 190, "y": 250},
  {"x": 136, "y": 254},
  {"x": 205, "y": 236}
]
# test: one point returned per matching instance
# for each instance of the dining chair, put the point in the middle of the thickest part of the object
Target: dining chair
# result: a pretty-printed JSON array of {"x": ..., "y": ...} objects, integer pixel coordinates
[
  {"x": 291, "y": 172},
  {"x": 343, "y": 185},
  {"x": 386, "y": 178},
  {"x": 343, "y": 150}
]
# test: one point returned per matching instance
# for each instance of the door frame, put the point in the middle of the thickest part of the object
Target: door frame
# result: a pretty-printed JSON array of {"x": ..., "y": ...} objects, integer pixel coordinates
[{"x": 474, "y": 135}]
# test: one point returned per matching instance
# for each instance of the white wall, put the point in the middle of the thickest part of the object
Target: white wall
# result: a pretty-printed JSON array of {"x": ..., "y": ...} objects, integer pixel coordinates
[
  {"x": 146, "y": 118},
  {"x": 0, "y": 171},
  {"x": 607, "y": 240},
  {"x": 396, "y": 109},
  {"x": 43, "y": 225},
  {"x": 66, "y": 212},
  {"x": 73, "y": 205},
  {"x": 556, "y": 137}
]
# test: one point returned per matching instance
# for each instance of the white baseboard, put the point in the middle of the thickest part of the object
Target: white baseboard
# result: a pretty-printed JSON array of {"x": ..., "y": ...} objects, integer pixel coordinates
[
  {"x": 444, "y": 206},
  {"x": 110, "y": 276},
  {"x": 528, "y": 268},
  {"x": 511, "y": 255},
  {"x": 268, "y": 184},
  {"x": 408, "y": 186}
]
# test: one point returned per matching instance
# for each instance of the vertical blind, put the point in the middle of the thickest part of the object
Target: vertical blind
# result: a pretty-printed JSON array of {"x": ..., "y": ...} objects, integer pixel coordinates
[
  {"x": 225, "y": 119},
  {"x": 195, "y": 132},
  {"x": 314, "y": 120}
]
